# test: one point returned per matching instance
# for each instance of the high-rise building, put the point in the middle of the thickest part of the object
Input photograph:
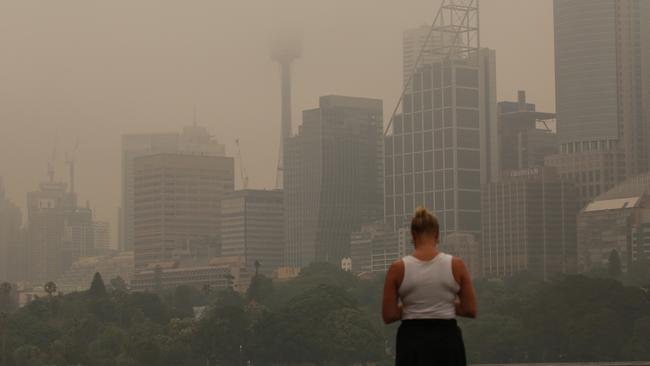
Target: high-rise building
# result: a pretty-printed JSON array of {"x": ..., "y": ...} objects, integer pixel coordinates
[
  {"x": 252, "y": 227},
  {"x": 332, "y": 178},
  {"x": 193, "y": 140},
  {"x": 444, "y": 145},
  {"x": 525, "y": 139},
  {"x": 46, "y": 210},
  {"x": 529, "y": 224},
  {"x": 602, "y": 77},
  {"x": 101, "y": 235},
  {"x": 78, "y": 235},
  {"x": 177, "y": 204},
  {"x": 11, "y": 245}
]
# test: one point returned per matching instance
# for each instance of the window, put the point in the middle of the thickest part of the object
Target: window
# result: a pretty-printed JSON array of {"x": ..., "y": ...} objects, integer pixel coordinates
[
  {"x": 408, "y": 163},
  {"x": 419, "y": 182},
  {"x": 470, "y": 221},
  {"x": 428, "y": 160},
  {"x": 468, "y": 138},
  {"x": 469, "y": 200},
  {"x": 440, "y": 180},
  {"x": 428, "y": 100},
  {"x": 449, "y": 138},
  {"x": 448, "y": 117},
  {"x": 408, "y": 184},
  {"x": 408, "y": 125},
  {"x": 417, "y": 142},
  {"x": 469, "y": 159},
  {"x": 428, "y": 140},
  {"x": 417, "y": 102},
  {"x": 467, "y": 77},
  {"x": 469, "y": 179},
  {"x": 427, "y": 120},
  {"x": 417, "y": 162},
  {"x": 417, "y": 121},
  {"x": 467, "y": 97},
  {"x": 388, "y": 165},
  {"x": 428, "y": 181},
  {"x": 467, "y": 117},
  {"x": 407, "y": 103},
  {"x": 408, "y": 144}
]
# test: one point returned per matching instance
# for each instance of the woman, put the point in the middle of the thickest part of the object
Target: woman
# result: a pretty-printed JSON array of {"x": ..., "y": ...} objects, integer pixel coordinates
[{"x": 427, "y": 290}]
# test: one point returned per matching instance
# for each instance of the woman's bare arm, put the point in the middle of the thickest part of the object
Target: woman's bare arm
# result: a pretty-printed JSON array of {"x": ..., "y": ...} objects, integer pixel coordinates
[
  {"x": 466, "y": 306},
  {"x": 391, "y": 310}
]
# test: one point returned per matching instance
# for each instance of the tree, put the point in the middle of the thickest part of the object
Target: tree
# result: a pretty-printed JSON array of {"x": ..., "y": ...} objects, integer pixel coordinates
[
  {"x": 8, "y": 302},
  {"x": 118, "y": 284},
  {"x": 614, "y": 264},
  {"x": 50, "y": 288},
  {"x": 97, "y": 286},
  {"x": 260, "y": 288}
]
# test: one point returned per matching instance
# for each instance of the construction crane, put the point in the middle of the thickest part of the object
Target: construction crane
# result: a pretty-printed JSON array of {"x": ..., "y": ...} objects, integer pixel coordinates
[{"x": 242, "y": 171}]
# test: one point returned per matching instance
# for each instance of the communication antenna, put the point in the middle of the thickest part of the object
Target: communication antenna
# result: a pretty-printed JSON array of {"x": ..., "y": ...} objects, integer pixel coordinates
[{"x": 457, "y": 25}]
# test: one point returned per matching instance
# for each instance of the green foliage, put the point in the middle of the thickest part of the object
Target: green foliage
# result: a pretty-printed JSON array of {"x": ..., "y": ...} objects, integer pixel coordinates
[
  {"x": 97, "y": 286},
  {"x": 614, "y": 267},
  {"x": 324, "y": 316}
]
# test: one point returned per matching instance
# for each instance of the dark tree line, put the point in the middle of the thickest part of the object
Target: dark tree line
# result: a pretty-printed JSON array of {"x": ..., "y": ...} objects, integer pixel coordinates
[{"x": 323, "y": 317}]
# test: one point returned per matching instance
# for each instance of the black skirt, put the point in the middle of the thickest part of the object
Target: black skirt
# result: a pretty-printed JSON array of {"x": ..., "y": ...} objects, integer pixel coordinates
[{"x": 428, "y": 342}]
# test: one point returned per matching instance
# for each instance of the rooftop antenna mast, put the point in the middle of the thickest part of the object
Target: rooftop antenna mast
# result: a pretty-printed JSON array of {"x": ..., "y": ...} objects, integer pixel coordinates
[{"x": 456, "y": 25}]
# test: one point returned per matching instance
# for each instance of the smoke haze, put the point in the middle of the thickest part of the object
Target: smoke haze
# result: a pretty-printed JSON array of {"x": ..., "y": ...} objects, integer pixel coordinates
[{"x": 73, "y": 69}]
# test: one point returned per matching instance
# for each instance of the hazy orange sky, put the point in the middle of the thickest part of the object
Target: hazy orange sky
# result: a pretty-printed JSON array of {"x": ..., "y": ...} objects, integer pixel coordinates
[{"x": 93, "y": 70}]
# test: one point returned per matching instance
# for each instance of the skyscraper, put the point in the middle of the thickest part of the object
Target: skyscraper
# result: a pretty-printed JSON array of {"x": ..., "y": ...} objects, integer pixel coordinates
[
  {"x": 194, "y": 140},
  {"x": 522, "y": 143},
  {"x": 443, "y": 145},
  {"x": 332, "y": 178},
  {"x": 46, "y": 209},
  {"x": 602, "y": 74},
  {"x": 252, "y": 227},
  {"x": 177, "y": 201}
]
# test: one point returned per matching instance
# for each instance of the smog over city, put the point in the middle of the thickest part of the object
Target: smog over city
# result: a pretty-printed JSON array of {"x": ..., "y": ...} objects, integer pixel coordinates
[{"x": 296, "y": 182}]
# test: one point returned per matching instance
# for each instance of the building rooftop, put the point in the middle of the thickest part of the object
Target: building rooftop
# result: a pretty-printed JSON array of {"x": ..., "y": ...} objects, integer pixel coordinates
[{"x": 613, "y": 204}]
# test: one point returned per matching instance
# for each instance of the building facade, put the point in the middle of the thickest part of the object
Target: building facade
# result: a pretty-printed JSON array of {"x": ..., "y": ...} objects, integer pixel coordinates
[
  {"x": 46, "y": 210},
  {"x": 177, "y": 202},
  {"x": 252, "y": 227},
  {"x": 218, "y": 274},
  {"x": 193, "y": 140},
  {"x": 444, "y": 144},
  {"x": 602, "y": 74},
  {"x": 11, "y": 244},
  {"x": 525, "y": 139},
  {"x": 615, "y": 220},
  {"x": 375, "y": 247},
  {"x": 332, "y": 178},
  {"x": 528, "y": 225}
]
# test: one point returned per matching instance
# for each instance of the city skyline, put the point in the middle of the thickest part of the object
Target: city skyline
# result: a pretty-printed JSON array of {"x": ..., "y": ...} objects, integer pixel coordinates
[{"x": 129, "y": 103}]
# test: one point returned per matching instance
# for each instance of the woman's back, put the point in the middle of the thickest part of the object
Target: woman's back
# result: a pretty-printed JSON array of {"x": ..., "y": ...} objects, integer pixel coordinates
[{"x": 428, "y": 289}]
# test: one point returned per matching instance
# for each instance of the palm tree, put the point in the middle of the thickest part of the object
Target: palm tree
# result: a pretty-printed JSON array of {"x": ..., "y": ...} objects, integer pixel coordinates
[{"x": 50, "y": 288}]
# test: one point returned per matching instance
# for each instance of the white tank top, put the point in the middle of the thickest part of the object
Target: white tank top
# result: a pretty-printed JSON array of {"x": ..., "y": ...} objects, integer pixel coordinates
[{"x": 428, "y": 289}]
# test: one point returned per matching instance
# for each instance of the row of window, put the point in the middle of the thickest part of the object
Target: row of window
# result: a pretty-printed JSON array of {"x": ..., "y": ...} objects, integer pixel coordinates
[{"x": 436, "y": 119}]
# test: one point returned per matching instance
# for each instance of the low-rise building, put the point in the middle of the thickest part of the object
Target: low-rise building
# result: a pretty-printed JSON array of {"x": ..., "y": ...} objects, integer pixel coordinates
[{"x": 216, "y": 273}]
